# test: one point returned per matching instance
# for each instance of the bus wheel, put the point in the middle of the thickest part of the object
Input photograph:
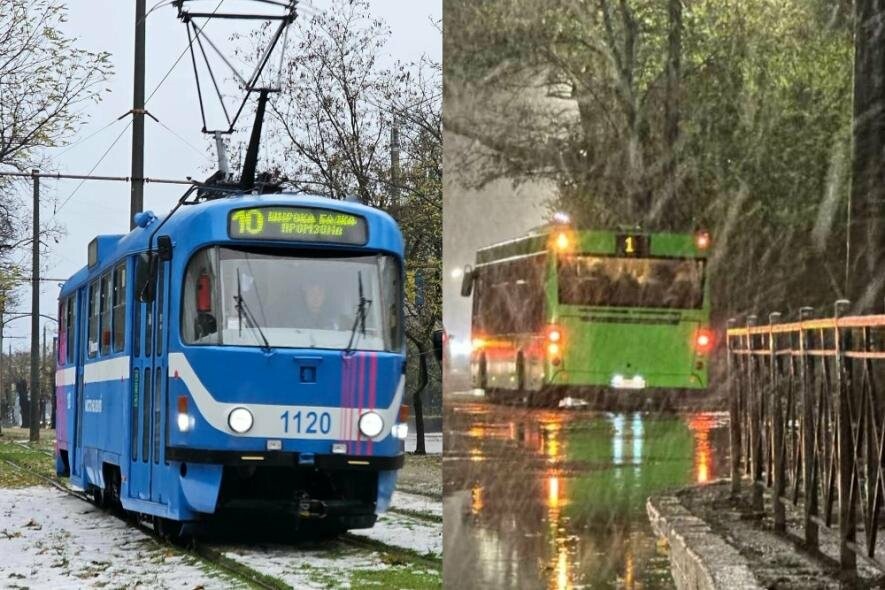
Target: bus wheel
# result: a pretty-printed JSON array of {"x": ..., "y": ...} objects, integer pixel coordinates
[{"x": 546, "y": 397}]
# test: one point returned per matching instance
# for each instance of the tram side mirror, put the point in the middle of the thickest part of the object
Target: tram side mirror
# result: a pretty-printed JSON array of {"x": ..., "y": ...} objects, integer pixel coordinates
[
  {"x": 467, "y": 281},
  {"x": 164, "y": 247},
  {"x": 437, "y": 339},
  {"x": 145, "y": 269}
]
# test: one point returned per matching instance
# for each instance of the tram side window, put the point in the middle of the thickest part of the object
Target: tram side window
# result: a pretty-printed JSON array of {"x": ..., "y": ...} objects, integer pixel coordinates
[
  {"x": 93, "y": 320},
  {"x": 62, "y": 331},
  {"x": 105, "y": 320},
  {"x": 119, "y": 304},
  {"x": 199, "y": 306},
  {"x": 391, "y": 292},
  {"x": 161, "y": 290},
  {"x": 71, "y": 315}
]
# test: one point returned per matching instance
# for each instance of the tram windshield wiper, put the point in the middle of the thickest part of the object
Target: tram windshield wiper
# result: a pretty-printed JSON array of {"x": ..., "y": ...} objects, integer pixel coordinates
[
  {"x": 362, "y": 310},
  {"x": 243, "y": 310}
]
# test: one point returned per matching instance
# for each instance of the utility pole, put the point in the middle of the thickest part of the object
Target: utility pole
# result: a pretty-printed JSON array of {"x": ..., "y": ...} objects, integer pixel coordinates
[
  {"x": 136, "y": 200},
  {"x": 43, "y": 366},
  {"x": 3, "y": 397},
  {"x": 35, "y": 312}
]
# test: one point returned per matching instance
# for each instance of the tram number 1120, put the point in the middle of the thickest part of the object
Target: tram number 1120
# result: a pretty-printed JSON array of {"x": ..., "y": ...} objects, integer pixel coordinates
[{"x": 306, "y": 422}]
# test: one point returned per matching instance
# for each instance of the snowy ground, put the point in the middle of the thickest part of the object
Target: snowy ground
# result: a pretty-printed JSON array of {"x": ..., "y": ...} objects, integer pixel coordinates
[
  {"x": 417, "y": 503},
  {"x": 49, "y": 539},
  {"x": 407, "y": 533}
]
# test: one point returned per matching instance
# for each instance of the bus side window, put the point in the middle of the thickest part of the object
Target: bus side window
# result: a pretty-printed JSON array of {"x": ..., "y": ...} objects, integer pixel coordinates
[{"x": 92, "y": 347}]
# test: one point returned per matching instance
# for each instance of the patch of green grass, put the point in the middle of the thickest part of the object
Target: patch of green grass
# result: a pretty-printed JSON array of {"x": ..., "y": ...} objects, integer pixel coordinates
[
  {"x": 34, "y": 458},
  {"x": 397, "y": 577}
]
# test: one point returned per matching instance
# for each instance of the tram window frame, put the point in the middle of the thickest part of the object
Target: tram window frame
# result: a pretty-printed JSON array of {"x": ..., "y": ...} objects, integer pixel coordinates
[
  {"x": 62, "y": 330},
  {"x": 105, "y": 328},
  {"x": 161, "y": 290},
  {"x": 157, "y": 411},
  {"x": 133, "y": 427},
  {"x": 136, "y": 315},
  {"x": 118, "y": 307},
  {"x": 146, "y": 392},
  {"x": 92, "y": 305},
  {"x": 72, "y": 328}
]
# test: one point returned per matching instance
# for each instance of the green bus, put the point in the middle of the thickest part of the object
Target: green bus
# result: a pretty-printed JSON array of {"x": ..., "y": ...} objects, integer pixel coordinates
[{"x": 571, "y": 312}]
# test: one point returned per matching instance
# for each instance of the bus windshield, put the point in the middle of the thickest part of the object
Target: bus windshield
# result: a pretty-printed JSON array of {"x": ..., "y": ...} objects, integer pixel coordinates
[
  {"x": 244, "y": 298},
  {"x": 671, "y": 283}
]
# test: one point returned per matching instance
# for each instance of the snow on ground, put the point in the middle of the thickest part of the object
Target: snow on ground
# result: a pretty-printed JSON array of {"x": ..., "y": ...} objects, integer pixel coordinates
[
  {"x": 49, "y": 539},
  {"x": 406, "y": 532},
  {"x": 432, "y": 442},
  {"x": 416, "y": 503}
]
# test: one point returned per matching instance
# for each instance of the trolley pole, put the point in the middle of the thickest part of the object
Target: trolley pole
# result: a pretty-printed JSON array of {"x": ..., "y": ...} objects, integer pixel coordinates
[
  {"x": 136, "y": 200},
  {"x": 35, "y": 312}
]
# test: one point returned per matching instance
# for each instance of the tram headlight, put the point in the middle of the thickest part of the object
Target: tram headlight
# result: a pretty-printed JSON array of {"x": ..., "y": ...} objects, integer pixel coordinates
[
  {"x": 371, "y": 424},
  {"x": 400, "y": 430},
  {"x": 240, "y": 420}
]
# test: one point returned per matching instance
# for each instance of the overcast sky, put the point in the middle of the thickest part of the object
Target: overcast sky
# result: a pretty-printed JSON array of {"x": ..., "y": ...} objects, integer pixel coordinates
[{"x": 103, "y": 208}]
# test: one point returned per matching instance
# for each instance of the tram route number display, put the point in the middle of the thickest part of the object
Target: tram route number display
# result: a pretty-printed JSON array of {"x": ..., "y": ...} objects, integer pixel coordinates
[{"x": 297, "y": 224}]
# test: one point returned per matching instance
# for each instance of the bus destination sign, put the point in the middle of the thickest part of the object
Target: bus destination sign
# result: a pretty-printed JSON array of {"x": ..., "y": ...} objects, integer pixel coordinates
[
  {"x": 631, "y": 245},
  {"x": 299, "y": 224}
]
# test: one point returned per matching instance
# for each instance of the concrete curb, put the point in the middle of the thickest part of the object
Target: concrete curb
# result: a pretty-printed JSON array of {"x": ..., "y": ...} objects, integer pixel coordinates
[{"x": 699, "y": 558}]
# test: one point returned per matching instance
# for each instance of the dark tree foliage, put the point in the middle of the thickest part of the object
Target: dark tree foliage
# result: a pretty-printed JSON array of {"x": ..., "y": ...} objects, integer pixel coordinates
[{"x": 733, "y": 116}]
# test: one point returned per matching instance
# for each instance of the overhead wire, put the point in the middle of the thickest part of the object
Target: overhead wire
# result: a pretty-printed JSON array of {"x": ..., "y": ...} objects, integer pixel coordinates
[{"x": 100, "y": 160}]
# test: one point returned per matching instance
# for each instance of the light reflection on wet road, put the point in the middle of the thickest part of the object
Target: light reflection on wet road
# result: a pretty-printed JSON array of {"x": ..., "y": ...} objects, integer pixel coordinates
[{"x": 556, "y": 498}]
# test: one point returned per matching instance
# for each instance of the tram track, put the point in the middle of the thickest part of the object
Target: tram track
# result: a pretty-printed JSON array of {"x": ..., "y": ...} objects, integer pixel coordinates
[{"x": 391, "y": 554}]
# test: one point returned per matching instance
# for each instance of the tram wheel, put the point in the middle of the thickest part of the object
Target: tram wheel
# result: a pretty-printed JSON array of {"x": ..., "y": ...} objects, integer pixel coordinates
[
  {"x": 170, "y": 530},
  {"x": 97, "y": 497}
]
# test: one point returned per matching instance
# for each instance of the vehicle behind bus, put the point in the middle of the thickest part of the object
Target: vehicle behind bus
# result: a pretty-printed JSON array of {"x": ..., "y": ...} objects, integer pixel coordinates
[{"x": 566, "y": 312}]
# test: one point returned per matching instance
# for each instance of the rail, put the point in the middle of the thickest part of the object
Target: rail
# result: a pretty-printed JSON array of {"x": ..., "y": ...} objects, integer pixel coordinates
[{"x": 808, "y": 422}]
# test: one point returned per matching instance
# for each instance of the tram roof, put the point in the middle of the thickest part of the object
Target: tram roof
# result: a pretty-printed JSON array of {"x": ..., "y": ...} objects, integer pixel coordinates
[{"x": 195, "y": 225}]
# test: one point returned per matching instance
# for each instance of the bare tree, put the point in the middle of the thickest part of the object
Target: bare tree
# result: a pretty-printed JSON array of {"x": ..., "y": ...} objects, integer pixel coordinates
[
  {"x": 344, "y": 125},
  {"x": 44, "y": 79}
]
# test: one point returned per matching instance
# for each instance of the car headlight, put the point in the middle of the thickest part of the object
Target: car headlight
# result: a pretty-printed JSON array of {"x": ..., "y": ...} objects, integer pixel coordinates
[
  {"x": 371, "y": 424},
  {"x": 240, "y": 420}
]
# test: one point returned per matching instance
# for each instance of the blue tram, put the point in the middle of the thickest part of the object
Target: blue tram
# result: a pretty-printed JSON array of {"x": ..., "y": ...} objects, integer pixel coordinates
[{"x": 241, "y": 352}]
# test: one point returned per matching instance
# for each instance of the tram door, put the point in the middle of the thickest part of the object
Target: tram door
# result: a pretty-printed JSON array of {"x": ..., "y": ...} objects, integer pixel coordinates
[
  {"x": 82, "y": 320},
  {"x": 148, "y": 387},
  {"x": 159, "y": 404}
]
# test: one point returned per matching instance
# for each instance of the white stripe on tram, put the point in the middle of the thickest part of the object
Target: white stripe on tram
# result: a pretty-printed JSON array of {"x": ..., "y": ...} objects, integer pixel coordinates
[
  {"x": 65, "y": 377},
  {"x": 114, "y": 369}
]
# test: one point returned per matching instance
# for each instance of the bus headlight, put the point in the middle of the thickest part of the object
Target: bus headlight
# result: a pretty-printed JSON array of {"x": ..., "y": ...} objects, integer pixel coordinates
[
  {"x": 371, "y": 424},
  {"x": 240, "y": 420}
]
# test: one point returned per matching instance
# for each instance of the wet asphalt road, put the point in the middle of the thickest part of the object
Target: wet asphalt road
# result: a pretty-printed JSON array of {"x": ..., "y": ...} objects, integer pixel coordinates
[{"x": 556, "y": 498}]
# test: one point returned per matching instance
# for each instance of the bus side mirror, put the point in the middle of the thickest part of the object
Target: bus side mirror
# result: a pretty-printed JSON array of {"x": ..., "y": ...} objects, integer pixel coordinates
[
  {"x": 145, "y": 269},
  {"x": 164, "y": 247},
  {"x": 437, "y": 339},
  {"x": 467, "y": 281}
]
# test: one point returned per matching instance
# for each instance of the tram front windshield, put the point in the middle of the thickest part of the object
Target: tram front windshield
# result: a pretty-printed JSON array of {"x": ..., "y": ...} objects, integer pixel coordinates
[{"x": 288, "y": 301}]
